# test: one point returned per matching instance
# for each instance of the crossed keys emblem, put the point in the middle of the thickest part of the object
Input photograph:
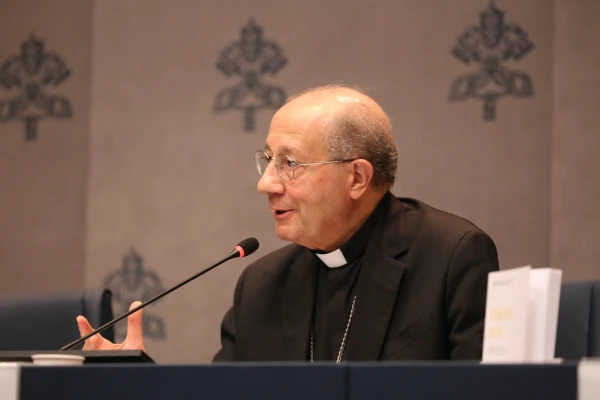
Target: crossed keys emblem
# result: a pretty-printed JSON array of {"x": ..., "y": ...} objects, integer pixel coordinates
[{"x": 29, "y": 77}]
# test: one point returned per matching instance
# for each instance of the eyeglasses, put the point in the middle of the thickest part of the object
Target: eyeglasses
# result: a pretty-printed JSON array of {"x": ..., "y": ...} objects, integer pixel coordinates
[{"x": 286, "y": 164}]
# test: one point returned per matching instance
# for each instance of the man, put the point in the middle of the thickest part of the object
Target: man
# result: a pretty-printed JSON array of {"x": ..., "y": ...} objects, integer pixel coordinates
[{"x": 368, "y": 276}]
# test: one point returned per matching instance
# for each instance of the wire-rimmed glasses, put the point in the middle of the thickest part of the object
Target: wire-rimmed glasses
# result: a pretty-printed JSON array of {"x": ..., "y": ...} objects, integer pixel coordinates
[{"x": 286, "y": 164}]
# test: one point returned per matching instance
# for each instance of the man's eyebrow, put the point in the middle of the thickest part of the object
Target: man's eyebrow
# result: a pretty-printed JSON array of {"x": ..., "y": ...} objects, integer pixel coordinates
[{"x": 288, "y": 151}]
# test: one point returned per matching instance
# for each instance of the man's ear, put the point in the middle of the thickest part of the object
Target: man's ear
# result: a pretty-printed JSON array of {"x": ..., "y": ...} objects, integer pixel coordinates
[{"x": 361, "y": 175}]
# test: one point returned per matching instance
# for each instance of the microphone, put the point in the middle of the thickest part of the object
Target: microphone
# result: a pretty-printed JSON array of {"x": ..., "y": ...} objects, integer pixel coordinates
[{"x": 243, "y": 249}]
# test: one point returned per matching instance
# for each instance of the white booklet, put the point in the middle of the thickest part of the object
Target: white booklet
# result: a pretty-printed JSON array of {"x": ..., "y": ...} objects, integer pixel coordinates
[
  {"x": 10, "y": 380},
  {"x": 521, "y": 315}
]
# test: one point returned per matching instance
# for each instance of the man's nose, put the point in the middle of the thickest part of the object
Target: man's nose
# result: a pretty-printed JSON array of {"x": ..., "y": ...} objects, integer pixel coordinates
[{"x": 270, "y": 182}]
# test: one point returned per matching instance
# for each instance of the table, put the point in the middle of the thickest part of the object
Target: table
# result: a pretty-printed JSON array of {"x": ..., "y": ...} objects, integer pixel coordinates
[{"x": 291, "y": 381}]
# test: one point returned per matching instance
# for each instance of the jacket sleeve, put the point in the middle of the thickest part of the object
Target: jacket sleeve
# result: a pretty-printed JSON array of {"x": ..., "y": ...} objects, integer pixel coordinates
[
  {"x": 474, "y": 258},
  {"x": 228, "y": 325}
]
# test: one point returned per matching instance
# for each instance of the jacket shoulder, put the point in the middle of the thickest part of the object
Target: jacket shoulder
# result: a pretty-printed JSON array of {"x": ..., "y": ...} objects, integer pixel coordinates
[
  {"x": 273, "y": 264},
  {"x": 426, "y": 220}
]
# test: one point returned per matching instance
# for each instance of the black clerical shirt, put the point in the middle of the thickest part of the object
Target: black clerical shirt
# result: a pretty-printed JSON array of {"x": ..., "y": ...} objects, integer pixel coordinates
[{"x": 336, "y": 288}]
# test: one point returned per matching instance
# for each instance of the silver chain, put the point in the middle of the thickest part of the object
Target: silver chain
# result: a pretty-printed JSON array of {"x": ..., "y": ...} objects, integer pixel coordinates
[{"x": 343, "y": 346}]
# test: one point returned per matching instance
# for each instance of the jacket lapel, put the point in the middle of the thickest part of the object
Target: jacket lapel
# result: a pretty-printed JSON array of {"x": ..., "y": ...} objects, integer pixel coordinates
[
  {"x": 298, "y": 296},
  {"x": 378, "y": 286}
]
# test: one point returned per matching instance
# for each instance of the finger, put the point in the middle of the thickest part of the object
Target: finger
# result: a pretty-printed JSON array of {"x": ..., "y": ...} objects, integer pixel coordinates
[
  {"x": 135, "y": 338},
  {"x": 85, "y": 328}
]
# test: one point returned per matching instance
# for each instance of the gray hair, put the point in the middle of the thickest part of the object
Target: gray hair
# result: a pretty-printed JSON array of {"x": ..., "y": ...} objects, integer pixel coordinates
[{"x": 358, "y": 132}]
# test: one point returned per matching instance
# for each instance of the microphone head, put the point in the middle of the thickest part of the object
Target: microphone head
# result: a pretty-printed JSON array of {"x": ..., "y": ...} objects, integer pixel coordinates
[{"x": 247, "y": 247}]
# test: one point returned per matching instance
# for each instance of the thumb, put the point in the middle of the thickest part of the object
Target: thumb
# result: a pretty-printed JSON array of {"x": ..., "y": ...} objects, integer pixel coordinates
[
  {"x": 135, "y": 338},
  {"x": 85, "y": 329}
]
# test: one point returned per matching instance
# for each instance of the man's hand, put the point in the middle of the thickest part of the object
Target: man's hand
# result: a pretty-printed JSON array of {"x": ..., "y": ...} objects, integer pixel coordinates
[{"x": 133, "y": 341}]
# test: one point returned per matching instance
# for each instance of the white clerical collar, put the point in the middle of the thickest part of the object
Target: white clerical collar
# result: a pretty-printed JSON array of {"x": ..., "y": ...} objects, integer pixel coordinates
[{"x": 334, "y": 259}]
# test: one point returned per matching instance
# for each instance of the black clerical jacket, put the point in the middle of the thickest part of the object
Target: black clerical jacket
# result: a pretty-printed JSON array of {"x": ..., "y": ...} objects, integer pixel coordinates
[{"x": 420, "y": 294}]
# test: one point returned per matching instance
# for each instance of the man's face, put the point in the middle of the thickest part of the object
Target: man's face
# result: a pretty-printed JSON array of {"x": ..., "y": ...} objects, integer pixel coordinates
[{"x": 309, "y": 209}]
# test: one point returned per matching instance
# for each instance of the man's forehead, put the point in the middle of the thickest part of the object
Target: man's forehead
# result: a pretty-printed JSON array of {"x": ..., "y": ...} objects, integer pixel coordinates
[
  {"x": 294, "y": 133},
  {"x": 287, "y": 147},
  {"x": 298, "y": 127}
]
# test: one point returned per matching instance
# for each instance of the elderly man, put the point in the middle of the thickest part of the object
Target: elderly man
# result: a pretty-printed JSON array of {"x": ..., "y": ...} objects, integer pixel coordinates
[{"x": 369, "y": 276}]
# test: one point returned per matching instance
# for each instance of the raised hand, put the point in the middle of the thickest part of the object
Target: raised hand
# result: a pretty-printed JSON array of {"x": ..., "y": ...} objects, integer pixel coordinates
[{"x": 133, "y": 341}]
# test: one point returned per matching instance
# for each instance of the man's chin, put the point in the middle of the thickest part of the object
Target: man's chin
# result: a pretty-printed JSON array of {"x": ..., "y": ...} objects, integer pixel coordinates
[{"x": 285, "y": 233}]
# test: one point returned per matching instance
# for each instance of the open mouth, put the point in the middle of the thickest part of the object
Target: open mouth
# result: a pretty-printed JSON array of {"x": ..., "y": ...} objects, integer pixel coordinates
[{"x": 280, "y": 213}]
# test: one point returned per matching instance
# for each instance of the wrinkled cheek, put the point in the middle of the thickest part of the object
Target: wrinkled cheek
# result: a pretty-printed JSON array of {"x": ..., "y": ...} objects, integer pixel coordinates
[{"x": 322, "y": 220}]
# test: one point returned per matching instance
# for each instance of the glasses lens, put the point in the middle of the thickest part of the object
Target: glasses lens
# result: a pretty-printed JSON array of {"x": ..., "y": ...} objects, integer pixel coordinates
[
  {"x": 285, "y": 166},
  {"x": 262, "y": 161}
]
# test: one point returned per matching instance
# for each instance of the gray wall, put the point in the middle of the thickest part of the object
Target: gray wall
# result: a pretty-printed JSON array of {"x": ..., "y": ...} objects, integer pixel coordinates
[{"x": 171, "y": 179}]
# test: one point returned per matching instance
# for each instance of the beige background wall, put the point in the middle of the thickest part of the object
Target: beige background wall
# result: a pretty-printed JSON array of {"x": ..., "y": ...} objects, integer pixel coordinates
[
  {"x": 168, "y": 177},
  {"x": 576, "y": 140},
  {"x": 43, "y": 182}
]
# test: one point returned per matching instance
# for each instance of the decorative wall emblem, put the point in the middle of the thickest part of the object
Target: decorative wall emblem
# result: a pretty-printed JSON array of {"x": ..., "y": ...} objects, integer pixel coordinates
[
  {"x": 30, "y": 77},
  {"x": 133, "y": 281},
  {"x": 490, "y": 46},
  {"x": 250, "y": 59}
]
